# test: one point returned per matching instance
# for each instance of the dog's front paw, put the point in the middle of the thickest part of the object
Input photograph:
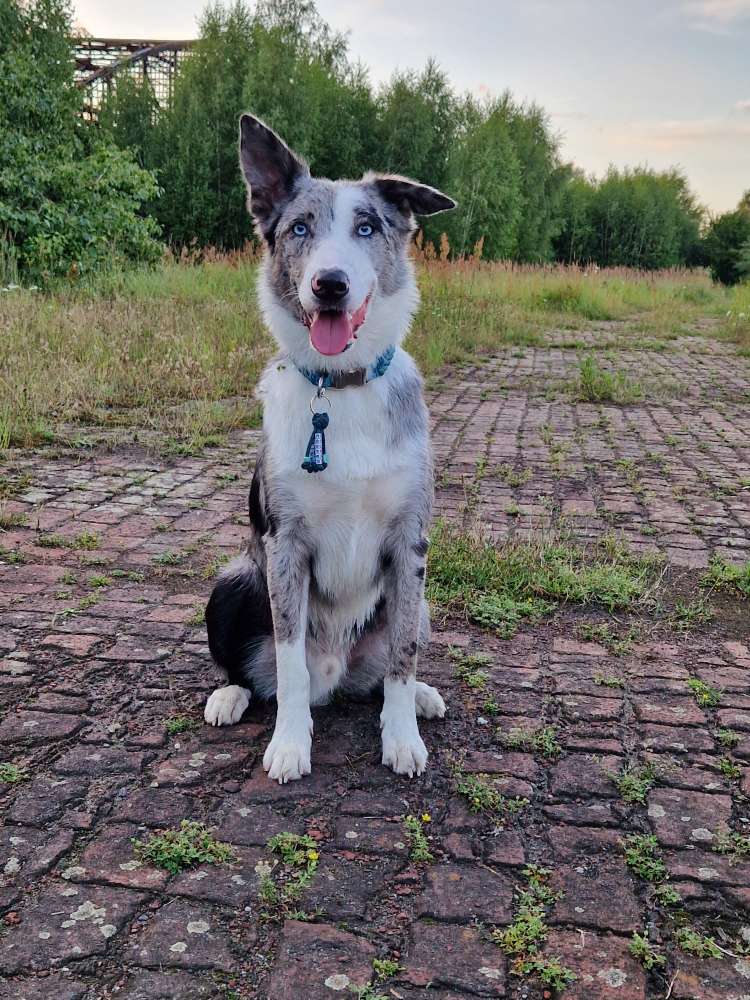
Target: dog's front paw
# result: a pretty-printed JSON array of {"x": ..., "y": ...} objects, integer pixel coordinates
[
  {"x": 226, "y": 705},
  {"x": 288, "y": 755},
  {"x": 428, "y": 702},
  {"x": 405, "y": 753}
]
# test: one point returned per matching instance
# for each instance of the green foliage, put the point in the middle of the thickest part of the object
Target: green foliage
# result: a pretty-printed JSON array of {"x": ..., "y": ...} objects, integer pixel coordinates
[
  {"x": 542, "y": 741},
  {"x": 596, "y": 384},
  {"x": 643, "y": 856},
  {"x": 634, "y": 218},
  {"x": 418, "y": 843},
  {"x": 502, "y": 586},
  {"x": 523, "y": 938},
  {"x": 385, "y": 968},
  {"x": 730, "y": 770},
  {"x": 177, "y": 724},
  {"x": 727, "y": 576},
  {"x": 727, "y": 738},
  {"x": 468, "y": 667},
  {"x": 696, "y": 944},
  {"x": 12, "y": 774},
  {"x": 482, "y": 796},
  {"x": 735, "y": 844},
  {"x": 191, "y": 844},
  {"x": 704, "y": 694},
  {"x": 69, "y": 199},
  {"x": 634, "y": 783},
  {"x": 283, "y": 883},
  {"x": 726, "y": 246},
  {"x": 641, "y": 948}
]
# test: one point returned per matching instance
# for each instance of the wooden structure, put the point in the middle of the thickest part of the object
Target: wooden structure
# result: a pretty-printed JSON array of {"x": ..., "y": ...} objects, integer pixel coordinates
[{"x": 99, "y": 60}]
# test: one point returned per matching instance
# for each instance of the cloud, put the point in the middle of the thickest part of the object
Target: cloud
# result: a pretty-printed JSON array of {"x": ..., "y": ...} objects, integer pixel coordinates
[
  {"x": 716, "y": 16},
  {"x": 674, "y": 135},
  {"x": 743, "y": 106}
]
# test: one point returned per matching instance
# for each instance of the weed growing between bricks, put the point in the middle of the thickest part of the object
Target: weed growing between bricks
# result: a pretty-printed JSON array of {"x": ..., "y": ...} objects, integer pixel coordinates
[
  {"x": 284, "y": 879},
  {"x": 189, "y": 845},
  {"x": 524, "y": 938}
]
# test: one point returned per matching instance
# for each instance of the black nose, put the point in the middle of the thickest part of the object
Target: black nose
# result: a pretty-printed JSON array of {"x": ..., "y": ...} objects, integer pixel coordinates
[{"x": 330, "y": 286}]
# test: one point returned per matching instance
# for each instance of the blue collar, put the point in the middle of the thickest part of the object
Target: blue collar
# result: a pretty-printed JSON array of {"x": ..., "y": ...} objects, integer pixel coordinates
[{"x": 357, "y": 377}]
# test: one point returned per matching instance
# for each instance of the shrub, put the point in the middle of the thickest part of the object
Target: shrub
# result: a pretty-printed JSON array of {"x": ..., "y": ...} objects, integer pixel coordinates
[{"x": 69, "y": 199}]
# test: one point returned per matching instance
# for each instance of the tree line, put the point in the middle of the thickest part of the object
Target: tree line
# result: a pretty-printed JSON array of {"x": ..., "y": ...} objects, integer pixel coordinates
[{"x": 174, "y": 169}]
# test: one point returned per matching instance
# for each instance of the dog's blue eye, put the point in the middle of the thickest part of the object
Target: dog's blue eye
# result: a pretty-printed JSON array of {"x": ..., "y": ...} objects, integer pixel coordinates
[
  {"x": 299, "y": 229},
  {"x": 365, "y": 229}
]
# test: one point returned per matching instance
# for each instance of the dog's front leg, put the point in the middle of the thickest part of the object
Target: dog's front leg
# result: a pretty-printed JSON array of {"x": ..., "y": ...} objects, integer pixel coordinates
[
  {"x": 288, "y": 755},
  {"x": 403, "y": 748}
]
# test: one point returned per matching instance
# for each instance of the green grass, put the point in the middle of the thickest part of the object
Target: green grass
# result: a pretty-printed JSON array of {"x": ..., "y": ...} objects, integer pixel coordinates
[
  {"x": 500, "y": 587},
  {"x": 176, "y": 351},
  {"x": 12, "y": 774},
  {"x": 468, "y": 667},
  {"x": 385, "y": 968},
  {"x": 727, "y": 738},
  {"x": 9, "y": 520},
  {"x": 542, "y": 740},
  {"x": 730, "y": 770},
  {"x": 189, "y": 845},
  {"x": 734, "y": 844},
  {"x": 595, "y": 384},
  {"x": 696, "y": 944},
  {"x": 723, "y": 575},
  {"x": 86, "y": 541},
  {"x": 177, "y": 724},
  {"x": 705, "y": 695},
  {"x": 283, "y": 883}
]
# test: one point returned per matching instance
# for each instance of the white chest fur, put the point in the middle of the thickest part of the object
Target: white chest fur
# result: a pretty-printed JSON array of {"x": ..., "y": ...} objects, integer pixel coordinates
[{"x": 348, "y": 507}]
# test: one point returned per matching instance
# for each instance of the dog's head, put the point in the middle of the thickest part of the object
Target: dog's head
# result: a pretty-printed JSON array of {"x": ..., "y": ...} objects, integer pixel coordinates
[{"x": 338, "y": 286}]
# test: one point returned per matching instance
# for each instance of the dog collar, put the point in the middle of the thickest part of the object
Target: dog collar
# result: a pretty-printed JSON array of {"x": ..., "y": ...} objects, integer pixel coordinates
[{"x": 355, "y": 377}]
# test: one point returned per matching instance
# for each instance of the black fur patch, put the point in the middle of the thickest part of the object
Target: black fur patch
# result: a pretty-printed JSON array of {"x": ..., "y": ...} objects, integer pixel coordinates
[
  {"x": 237, "y": 616},
  {"x": 421, "y": 547},
  {"x": 255, "y": 500}
]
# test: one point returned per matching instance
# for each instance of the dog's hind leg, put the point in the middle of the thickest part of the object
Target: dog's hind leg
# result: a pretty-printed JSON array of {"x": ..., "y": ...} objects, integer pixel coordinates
[{"x": 239, "y": 625}]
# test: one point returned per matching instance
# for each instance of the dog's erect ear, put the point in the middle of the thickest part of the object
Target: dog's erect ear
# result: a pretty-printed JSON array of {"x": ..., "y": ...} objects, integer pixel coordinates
[
  {"x": 271, "y": 171},
  {"x": 411, "y": 197}
]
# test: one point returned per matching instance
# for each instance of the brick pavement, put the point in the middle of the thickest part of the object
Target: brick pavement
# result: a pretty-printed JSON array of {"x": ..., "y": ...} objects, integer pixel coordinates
[{"x": 101, "y": 642}]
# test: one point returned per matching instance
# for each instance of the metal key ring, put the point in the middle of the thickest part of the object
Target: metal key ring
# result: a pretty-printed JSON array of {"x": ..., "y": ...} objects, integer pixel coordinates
[{"x": 320, "y": 394}]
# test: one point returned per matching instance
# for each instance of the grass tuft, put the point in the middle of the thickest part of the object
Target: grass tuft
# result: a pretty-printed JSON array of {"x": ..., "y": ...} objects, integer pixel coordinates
[
  {"x": 177, "y": 724},
  {"x": 634, "y": 783},
  {"x": 523, "y": 938},
  {"x": 483, "y": 797},
  {"x": 500, "y": 587},
  {"x": 705, "y": 695},
  {"x": 542, "y": 741},
  {"x": 726, "y": 576}
]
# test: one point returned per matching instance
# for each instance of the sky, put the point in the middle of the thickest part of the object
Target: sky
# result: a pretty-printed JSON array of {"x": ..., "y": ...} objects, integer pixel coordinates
[{"x": 628, "y": 82}]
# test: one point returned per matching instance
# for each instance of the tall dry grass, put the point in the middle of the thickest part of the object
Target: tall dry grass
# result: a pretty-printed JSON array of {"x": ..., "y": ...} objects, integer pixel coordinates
[{"x": 178, "y": 349}]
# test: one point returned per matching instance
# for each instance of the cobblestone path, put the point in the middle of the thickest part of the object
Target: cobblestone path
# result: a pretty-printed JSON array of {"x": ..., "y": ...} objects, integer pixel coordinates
[{"x": 103, "y": 577}]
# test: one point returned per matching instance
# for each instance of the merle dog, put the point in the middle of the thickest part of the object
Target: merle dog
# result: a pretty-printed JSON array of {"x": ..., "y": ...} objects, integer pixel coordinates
[{"x": 329, "y": 594}]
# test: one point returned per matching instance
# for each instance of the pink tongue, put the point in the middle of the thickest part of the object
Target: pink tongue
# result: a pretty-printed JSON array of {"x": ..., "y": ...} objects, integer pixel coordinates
[{"x": 330, "y": 332}]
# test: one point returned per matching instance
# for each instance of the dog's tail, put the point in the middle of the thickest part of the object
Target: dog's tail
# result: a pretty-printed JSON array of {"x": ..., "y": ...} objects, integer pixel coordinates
[{"x": 238, "y": 618}]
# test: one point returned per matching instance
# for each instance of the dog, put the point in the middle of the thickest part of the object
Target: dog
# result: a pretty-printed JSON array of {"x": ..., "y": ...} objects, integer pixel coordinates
[{"x": 329, "y": 593}]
